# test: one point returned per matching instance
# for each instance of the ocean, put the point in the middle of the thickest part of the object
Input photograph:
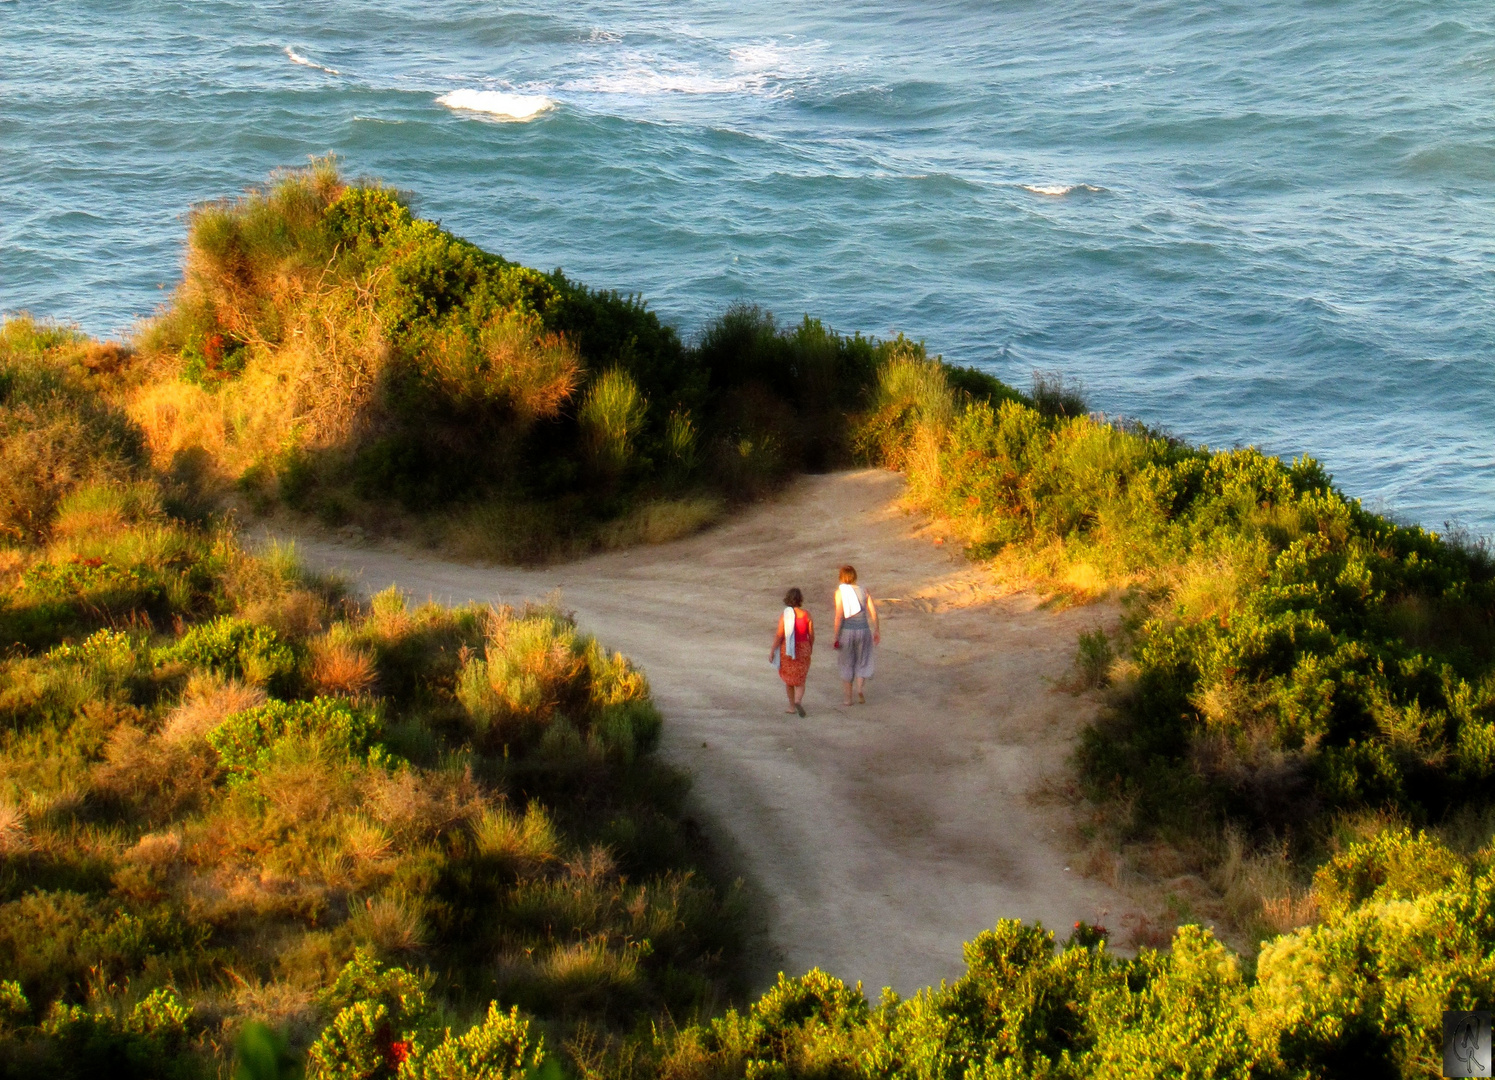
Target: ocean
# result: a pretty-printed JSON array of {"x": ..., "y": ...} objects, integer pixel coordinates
[{"x": 1269, "y": 223}]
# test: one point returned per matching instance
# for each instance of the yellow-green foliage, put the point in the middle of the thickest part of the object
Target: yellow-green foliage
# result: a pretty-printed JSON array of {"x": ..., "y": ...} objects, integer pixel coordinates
[
  {"x": 1361, "y": 994},
  {"x": 611, "y": 415},
  {"x": 373, "y": 357},
  {"x": 57, "y": 435},
  {"x": 226, "y": 803},
  {"x": 1292, "y": 654},
  {"x": 330, "y": 351}
]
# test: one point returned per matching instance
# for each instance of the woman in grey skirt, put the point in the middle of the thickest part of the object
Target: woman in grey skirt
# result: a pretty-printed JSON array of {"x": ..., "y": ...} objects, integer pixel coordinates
[{"x": 856, "y": 632}]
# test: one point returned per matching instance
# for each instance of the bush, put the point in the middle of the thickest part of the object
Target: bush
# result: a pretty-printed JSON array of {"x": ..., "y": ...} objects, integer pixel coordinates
[
  {"x": 611, "y": 415},
  {"x": 379, "y": 363},
  {"x": 1283, "y": 662},
  {"x": 183, "y": 802},
  {"x": 249, "y": 740}
]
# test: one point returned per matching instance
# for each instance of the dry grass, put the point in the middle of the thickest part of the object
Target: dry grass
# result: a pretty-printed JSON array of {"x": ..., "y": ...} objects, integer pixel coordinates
[
  {"x": 393, "y": 925},
  {"x": 417, "y": 805},
  {"x": 15, "y": 838},
  {"x": 536, "y": 373},
  {"x": 341, "y": 669},
  {"x": 661, "y": 520},
  {"x": 524, "y": 840},
  {"x": 208, "y": 700},
  {"x": 365, "y": 840},
  {"x": 1284, "y": 914}
]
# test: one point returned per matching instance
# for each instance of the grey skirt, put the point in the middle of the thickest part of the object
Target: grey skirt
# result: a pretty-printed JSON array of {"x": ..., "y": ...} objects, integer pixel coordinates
[{"x": 855, "y": 654}]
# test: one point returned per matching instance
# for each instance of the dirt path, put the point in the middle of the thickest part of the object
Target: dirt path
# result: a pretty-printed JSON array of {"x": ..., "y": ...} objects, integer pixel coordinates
[{"x": 878, "y": 838}]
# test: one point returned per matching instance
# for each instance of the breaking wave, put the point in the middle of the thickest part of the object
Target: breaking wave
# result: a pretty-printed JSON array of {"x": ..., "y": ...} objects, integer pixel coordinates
[
  {"x": 498, "y": 103},
  {"x": 1057, "y": 190},
  {"x": 297, "y": 58}
]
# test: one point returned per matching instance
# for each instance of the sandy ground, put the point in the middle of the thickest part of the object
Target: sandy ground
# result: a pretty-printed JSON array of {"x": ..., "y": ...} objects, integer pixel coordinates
[{"x": 875, "y": 839}]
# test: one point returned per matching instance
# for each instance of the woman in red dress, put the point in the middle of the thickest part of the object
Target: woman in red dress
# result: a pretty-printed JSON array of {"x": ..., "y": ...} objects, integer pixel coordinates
[{"x": 793, "y": 641}]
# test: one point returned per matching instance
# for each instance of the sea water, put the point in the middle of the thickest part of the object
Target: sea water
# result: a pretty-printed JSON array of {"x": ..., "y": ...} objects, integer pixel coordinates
[{"x": 1268, "y": 222}]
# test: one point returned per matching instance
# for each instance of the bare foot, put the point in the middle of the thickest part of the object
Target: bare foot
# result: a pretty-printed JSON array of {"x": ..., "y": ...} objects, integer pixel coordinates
[
  {"x": 800, "y": 709},
  {"x": 861, "y": 699}
]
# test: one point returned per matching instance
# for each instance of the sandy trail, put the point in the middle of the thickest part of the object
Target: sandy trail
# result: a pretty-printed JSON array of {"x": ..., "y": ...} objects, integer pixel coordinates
[{"x": 877, "y": 838}]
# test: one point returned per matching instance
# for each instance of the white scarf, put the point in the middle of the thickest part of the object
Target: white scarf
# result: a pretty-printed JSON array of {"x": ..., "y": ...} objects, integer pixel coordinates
[
  {"x": 789, "y": 633},
  {"x": 850, "y": 605}
]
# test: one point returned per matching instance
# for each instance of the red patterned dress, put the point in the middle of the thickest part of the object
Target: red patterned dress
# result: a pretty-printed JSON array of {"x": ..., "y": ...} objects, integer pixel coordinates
[{"x": 793, "y": 671}]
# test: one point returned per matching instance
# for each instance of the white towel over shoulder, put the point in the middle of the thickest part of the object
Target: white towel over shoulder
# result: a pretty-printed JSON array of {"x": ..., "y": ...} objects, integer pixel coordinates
[
  {"x": 850, "y": 603},
  {"x": 789, "y": 633}
]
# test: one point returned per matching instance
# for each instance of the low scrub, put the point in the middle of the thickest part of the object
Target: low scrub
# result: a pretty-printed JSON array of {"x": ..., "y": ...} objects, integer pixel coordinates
[
  {"x": 201, "y": 814},
  {"x": 1407, "y": 933},
  {"x": 230, "y": 796},
  {"x": 329, "y": 352},
  {"x": 1289, "y": 658}
]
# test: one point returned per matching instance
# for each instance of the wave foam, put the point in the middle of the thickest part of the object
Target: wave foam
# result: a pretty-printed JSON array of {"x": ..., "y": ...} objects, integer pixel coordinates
[
  {"x": 498, "y": 103},
  {"x": 297, "y": 58},
  {"x": 762, "y": 69},
  {"x": 1059, "y": 190},
  {"x": 645, "y": 81}
]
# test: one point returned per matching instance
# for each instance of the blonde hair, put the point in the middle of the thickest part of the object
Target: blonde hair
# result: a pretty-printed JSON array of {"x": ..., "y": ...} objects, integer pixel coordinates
[{"x": 848, "y": 575}]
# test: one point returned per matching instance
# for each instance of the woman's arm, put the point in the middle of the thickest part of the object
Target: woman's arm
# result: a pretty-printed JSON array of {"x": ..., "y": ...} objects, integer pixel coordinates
[
  {"x": 810, "y": 634},
  {"x": 836, "y": 636},
  {"x": 778, "y": 640},
  {"x": 872, "y": 614}
]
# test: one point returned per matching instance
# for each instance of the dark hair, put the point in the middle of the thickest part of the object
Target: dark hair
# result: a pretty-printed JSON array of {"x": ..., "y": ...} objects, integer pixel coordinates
[
  {"x": 848, "y": 575},
  {"x": 794, "y": 598}
]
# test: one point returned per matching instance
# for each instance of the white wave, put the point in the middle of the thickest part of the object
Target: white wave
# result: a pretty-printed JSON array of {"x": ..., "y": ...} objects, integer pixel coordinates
[
  {"x": 1058, "y": 190},
  {"x": 498, "y": 103},
  {"x": 297, "y": 58},
  {"x": 785, "y": 61},
  {"x": 604, "y": 37},
  {"x": 765, "y": 69},
  {"x": 644, "y": 81}
]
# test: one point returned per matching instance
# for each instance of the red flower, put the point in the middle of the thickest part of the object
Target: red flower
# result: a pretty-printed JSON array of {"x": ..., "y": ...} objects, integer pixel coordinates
[{"x": 399, "y": 1052}]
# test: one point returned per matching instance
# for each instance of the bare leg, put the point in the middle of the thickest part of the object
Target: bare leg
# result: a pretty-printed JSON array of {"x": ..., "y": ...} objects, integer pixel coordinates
[
  {"x": 861, "y": 690},
  {"x": 848, "y": 692},
  {"x": 799, "y": 700},
  {"x": 790, "y": 690}
]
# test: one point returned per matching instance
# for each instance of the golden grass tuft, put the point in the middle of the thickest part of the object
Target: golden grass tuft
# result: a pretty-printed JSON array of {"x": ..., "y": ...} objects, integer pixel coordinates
[
  {"x": 536, "y": 373},
  {"x": 156, "y": 849},
  {"x": 15, "y": 838},
  {"x": 415, "y": 806},
  {"x": 528, "y": 839},
  {"x": 178, "y": 417},
  {"x": 208, "y": 701},
  {"x": 392, "y": 924},
  {"x": 659, "y": 521},
  {"x": 587, "y": 971},
  {"x": 364, "y": 840},
  {"x": 340, "y": 669},
  {"x": 1284, "y": 914},
  {"x": 303, "y": 792}
]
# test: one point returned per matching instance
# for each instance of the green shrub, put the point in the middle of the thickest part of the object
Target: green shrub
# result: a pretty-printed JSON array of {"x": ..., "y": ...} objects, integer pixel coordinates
[
  {"x": 611, "y": 415},
  {"x": 1282, "y": 658},
  {"x": 57, "y": 433},
  {"x": 179, "y": 810},
  {"x": 497, "y": 1049},
  {"x": 246, "y": 741}
]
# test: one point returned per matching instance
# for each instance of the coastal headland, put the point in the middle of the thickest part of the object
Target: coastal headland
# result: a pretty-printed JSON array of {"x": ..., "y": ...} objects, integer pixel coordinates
[{"x": 392, "y": 802}]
